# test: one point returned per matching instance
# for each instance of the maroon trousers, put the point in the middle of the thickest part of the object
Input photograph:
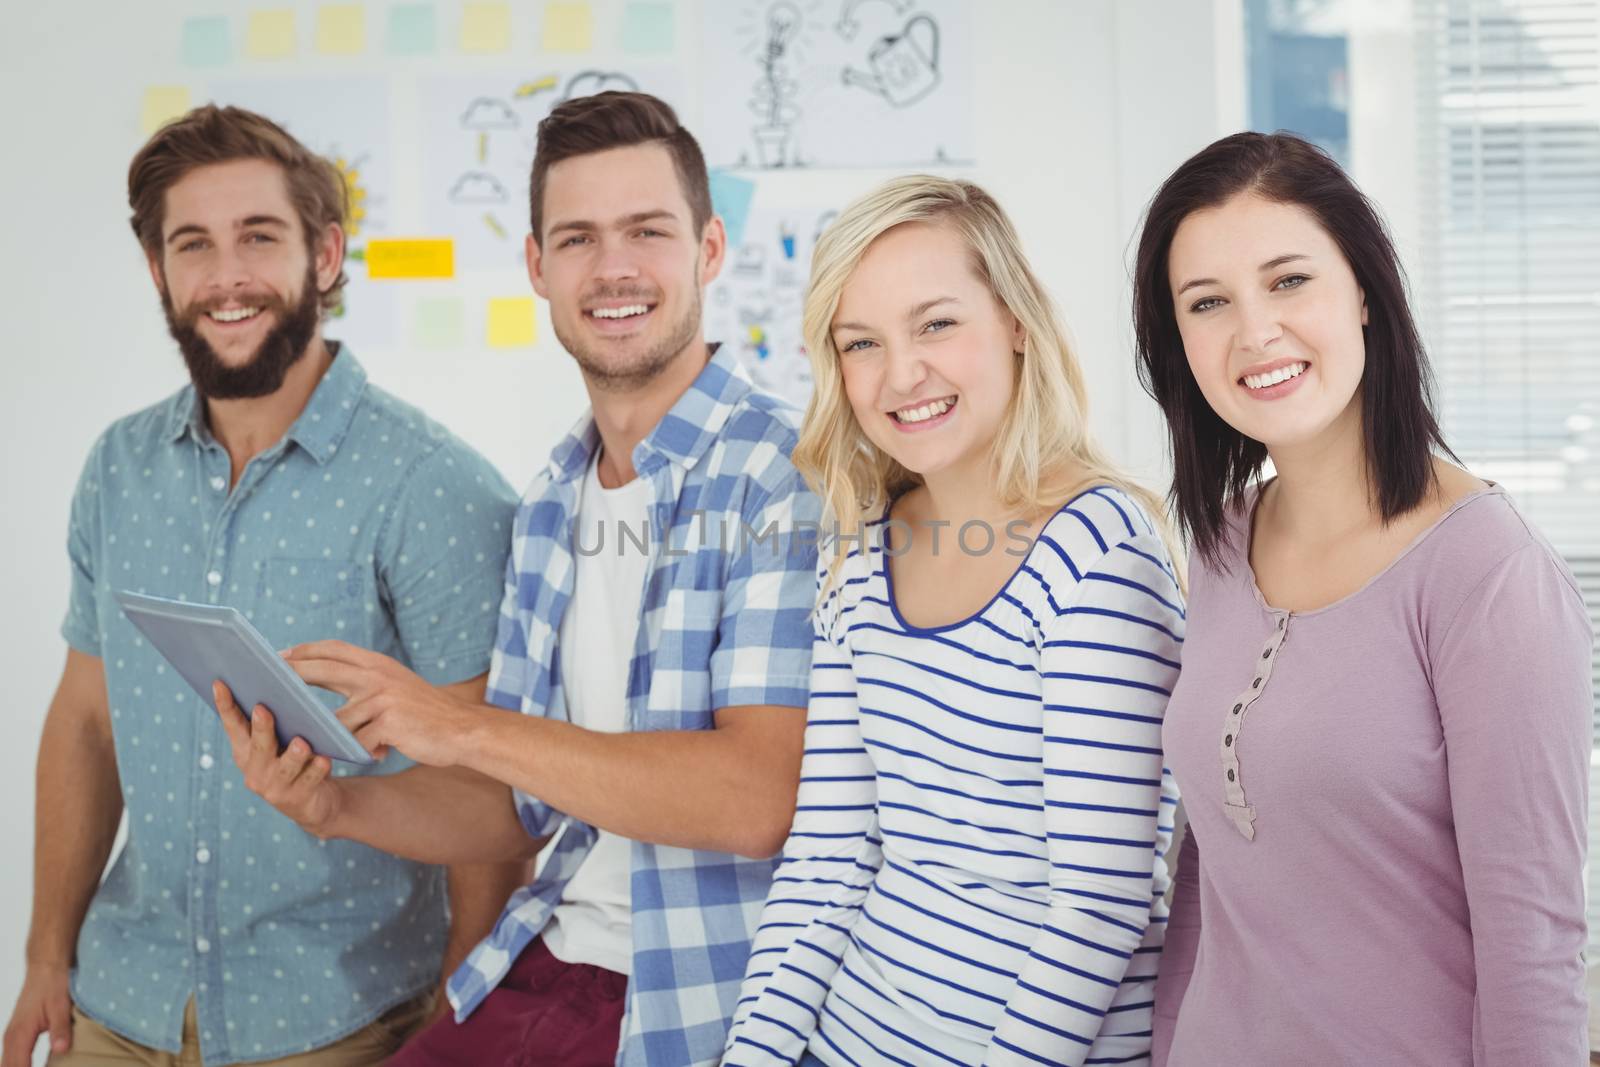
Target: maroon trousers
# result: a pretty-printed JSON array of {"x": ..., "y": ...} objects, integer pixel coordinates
[{"x": 545, "y": 1013}]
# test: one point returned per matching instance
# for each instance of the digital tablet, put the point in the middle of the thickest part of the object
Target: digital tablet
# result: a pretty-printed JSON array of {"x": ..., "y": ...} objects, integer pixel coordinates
[{"x": 206, "y": 642}]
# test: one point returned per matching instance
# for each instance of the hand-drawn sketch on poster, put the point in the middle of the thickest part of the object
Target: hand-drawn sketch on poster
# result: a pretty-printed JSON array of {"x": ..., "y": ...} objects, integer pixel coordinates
[
  {"x": 838, "y": 83},
  {"x": 346, "y": 120},
  {"x": 755, "y": 305},
  {"x": 478, "y": 133}
]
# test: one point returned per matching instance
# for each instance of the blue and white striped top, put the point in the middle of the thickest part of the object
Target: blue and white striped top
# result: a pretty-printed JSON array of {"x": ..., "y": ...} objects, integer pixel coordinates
[{"x": 975, "y": 872}]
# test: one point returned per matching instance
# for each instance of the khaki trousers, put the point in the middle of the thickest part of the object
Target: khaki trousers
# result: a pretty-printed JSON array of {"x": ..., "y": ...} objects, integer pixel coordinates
[{"x": 95, "y": 1046}]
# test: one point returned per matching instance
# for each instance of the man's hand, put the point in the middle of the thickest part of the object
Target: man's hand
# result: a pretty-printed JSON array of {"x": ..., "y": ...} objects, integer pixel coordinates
[
  {"x": 388, "y": 704},
  {"x": 293, "y": 781},
  {"x": 44, "y": 1005}
]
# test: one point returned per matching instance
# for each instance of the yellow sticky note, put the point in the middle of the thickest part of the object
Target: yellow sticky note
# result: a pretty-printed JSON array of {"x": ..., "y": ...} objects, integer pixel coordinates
[
  {"x": 411, "y": 258},
  {"x": 485, "y": 27},
  {"x": 341, "y": 29},
  {"x": 270, "y": 34},
  {"x": 510, "y": 321},
  {"x": 162, "y": 103},
  {"x": 568, "y": 27}
]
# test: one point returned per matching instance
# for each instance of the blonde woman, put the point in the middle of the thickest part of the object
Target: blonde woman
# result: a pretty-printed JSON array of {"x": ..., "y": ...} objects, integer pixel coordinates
[{"x": 975, "y": 870}]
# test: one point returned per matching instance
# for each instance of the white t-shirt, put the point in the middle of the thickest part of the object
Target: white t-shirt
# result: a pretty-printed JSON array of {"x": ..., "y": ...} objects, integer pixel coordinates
[{"x": 594, "y": 922}]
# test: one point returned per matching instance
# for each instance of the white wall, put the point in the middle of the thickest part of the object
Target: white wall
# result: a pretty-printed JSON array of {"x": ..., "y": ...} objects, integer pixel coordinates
[
  {"x": 1384, "y": 131},
  {"x": 1083, "y": 106}
]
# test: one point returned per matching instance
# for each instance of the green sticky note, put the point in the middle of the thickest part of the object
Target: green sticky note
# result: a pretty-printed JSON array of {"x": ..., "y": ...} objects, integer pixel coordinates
[
  {"x": 647, "y": 28},
  {"x": 485, "y": 26},
  {"x": 206, "y": 42},
  {"x": 412, "y": 30},
  {"x": 270, "y": 34},
  {"x": 439, "y": 322},
  {"x": 568, "y": 27},
  {"x": 341, "y": 29}
]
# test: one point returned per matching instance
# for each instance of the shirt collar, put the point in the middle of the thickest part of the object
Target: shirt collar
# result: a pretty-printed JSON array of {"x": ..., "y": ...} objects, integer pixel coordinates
[
  {"x": 332, "y": 407},
  {"x": 682, "y": 436},
  {"x": 182, "y": 416},
  {"x": 321, "y": 425}
]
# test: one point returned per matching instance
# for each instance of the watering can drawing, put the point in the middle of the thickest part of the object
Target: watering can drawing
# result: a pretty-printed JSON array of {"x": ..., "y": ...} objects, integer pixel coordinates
[{"x": 905, "y": 66}]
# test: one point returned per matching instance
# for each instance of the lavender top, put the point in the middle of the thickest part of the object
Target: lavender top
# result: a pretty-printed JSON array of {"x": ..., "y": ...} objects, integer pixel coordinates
[{"x": 1390, "y": 796}]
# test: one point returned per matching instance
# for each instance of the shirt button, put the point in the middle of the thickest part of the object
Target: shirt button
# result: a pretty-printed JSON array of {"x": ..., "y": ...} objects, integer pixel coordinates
[
  {"x": 214, "y": 578},
  {"x": 206, "y": 762},
  {"x": 1228, "y": 740},
  {"x": 1265, "y": 655},
  {"x": 204, "y": 855},
  {"x": 202, "y": 945},
  {"x": 1238, "y": 708},
  {"x": 219, "y": 483}
]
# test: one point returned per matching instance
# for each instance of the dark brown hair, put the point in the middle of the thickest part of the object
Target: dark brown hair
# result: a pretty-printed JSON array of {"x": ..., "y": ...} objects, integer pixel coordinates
[
  {"x": 1213, "y": 464},
  {"x": 617, "y": 120},
  {"x": 208, "y": 135}
]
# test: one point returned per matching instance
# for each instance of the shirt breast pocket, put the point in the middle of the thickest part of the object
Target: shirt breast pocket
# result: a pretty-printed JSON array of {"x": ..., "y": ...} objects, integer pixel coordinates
[
  {"x": 310, "y": 600},
  {"x": 698, "y": 588},
  {"x": 686, "y": 632},
  {"x": 692, "y": 608}
]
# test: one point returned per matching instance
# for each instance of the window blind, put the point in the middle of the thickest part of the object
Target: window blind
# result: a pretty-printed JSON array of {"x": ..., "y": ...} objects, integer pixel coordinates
[{"x": 1508, "y": 284}]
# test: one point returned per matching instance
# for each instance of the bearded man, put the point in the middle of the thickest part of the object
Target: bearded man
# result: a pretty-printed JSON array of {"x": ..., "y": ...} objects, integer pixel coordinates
[{"x": 279, "y": 481}]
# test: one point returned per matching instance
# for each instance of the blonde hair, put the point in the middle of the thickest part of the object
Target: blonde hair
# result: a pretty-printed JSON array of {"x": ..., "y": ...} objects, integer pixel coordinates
[{"x": 1043, "y": 450}]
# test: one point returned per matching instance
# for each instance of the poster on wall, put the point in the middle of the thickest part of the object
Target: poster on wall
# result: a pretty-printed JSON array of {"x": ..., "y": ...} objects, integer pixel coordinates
[
  {"x": 839, "y": 83},
  {"x": 347, "y": 121},
  {"x": 477, "y": 135},
  {"x": 755, "y": 306}
]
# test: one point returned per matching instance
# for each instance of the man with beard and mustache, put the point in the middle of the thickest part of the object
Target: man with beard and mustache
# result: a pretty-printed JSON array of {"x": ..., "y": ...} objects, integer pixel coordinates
[
  {"x": 282, "y": 483},
  {"x": 653, "y": 656}
]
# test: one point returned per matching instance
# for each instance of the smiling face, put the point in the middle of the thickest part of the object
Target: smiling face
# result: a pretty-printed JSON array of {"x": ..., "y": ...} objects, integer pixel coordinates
[
  {"x": 240, "y": 288},
  {"x": 622, "y": 263},
  {"x": 1270, "y": 315},
  {"x": 926, "y": 351}
]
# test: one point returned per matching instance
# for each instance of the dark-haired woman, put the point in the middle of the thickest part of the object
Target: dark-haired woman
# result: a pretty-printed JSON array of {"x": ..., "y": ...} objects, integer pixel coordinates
[{"x": 1382, "y": 725}]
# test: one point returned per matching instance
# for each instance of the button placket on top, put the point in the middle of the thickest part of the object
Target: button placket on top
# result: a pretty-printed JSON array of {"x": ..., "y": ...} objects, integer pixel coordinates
[
  {"x": 206, "y": 827},
  {"x": 1239, "y": 812},
  {"x": 216, "y": 560}
]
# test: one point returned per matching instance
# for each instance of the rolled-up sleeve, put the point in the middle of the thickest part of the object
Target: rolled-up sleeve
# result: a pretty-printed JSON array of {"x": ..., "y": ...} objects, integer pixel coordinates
[
  {"x": 764, "y": 637},
  {"x": 81, "y": 627}
]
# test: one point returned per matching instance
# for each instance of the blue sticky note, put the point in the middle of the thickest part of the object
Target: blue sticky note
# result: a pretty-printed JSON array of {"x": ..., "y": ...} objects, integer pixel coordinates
[
  {"x": 730, "y": 198},
  {"x": 647, "y": 28},
  {"x": 206, "y": 42},
  {"x": 412, "y": 30}
]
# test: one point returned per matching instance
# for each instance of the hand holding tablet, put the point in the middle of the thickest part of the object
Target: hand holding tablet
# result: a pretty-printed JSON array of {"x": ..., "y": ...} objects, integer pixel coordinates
[
  {"x": 292, "y": 780},
  {"x": 207, "y": 643}
]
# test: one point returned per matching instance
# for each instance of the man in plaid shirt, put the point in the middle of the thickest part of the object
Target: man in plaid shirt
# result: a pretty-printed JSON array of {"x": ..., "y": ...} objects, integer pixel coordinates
[{"x": 650, "y": 673}]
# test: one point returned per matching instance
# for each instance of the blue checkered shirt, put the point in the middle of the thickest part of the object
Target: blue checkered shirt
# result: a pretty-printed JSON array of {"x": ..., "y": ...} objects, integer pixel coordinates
[{"x": 725, "y": 621}]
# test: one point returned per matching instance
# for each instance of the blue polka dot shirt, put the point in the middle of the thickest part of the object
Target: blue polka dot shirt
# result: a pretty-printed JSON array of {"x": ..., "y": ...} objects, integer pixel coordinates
[{"x": 365, "y": 522}]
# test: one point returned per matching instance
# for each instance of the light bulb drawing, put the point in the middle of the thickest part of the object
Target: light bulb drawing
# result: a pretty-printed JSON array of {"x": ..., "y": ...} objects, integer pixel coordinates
[{"x": 773, "y": 102}]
